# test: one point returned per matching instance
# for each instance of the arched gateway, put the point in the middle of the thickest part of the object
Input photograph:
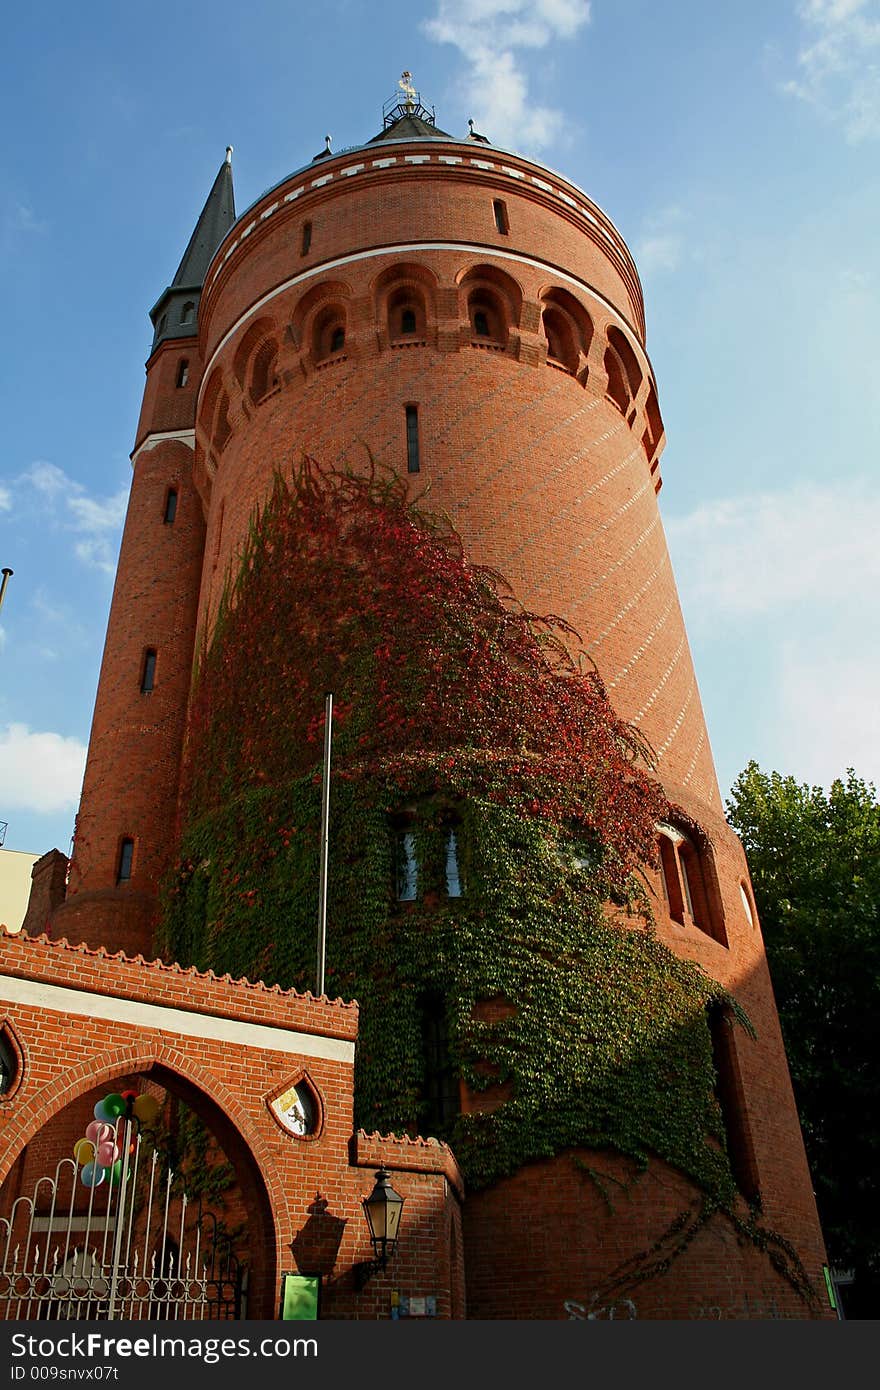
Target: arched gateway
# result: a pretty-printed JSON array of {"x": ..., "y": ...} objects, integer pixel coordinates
[{"x": 269, "y": 1072}]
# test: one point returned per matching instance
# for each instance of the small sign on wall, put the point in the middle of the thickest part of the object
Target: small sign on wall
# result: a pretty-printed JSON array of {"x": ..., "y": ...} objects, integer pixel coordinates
[
  {"x": 300, "y": 1297},
  {"x": 409, "y": 1306}
]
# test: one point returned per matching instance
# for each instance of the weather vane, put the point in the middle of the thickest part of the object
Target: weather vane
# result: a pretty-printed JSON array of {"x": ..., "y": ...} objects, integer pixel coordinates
[{"x": 406, "y": 86}]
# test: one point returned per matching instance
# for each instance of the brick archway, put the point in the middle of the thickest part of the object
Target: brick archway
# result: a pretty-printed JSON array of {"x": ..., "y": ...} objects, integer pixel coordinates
[
  {"x": 230, "y": 1050},
  {"x": 262, "y": 1193}
]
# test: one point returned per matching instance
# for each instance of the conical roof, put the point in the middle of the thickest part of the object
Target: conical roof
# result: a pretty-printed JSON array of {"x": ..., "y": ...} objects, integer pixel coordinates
[
  {"x": 175, "y": 314},
  {"x": 216, "y": 217},
  {"x": 411, "y": 126}
]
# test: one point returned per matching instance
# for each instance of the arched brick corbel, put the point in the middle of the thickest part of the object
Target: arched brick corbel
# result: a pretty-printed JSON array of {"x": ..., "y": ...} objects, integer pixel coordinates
[
  {"x": 452, "y": 332},
  {"x": 597, "y": 378},
  {"x": 359, "y": 335}
]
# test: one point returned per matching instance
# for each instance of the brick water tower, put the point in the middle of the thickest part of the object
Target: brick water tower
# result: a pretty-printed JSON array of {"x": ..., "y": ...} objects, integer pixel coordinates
[{"x": 474, "y": 322}]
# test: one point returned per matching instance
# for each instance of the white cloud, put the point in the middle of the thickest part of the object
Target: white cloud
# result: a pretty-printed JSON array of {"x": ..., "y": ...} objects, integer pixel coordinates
[
  {"x": 95, "y": 514},
  {"x": 661, "y": 244},
  {"x": 40, "y": 772},
  {"x": 489, "y": 34},
  {"x": 743, "y": 556},
  {"x": 829, "y": 714},
  {"x": 98, "y": 520},
  {"x": 47, "y": 478},
  {"x": 5, "y": 499},
  {"x": 838, "y": 64}
]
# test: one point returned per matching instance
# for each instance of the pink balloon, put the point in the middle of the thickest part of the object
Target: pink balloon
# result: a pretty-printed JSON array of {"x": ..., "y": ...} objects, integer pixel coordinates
[
  {"x": 98, "y": 1131},
  {"x": 107, "y": 1153}
]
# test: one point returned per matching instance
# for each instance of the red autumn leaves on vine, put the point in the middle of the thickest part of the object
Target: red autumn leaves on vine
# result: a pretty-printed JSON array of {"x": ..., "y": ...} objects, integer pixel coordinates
[{"x": 441, "y": 681}]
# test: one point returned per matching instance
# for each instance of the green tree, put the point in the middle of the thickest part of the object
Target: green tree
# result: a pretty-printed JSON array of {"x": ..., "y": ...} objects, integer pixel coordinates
[{"x": 815, "y": 864}]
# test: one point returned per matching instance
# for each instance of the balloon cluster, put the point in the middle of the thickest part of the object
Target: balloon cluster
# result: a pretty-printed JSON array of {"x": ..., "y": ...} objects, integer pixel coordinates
[{"x": 100, "y": 1152}]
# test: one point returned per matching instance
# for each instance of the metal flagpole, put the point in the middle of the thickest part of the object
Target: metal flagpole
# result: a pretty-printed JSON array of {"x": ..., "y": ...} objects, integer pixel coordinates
[{"x": 325, "y": 843}]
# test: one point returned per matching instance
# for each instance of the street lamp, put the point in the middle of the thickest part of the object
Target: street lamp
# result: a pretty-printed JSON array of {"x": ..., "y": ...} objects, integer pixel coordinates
[
  {"x": 382, "y": 1209},
  {"x": 6, "y": 572}
]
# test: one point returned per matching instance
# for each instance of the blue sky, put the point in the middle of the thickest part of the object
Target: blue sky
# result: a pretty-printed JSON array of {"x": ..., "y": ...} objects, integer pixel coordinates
[{"x": 736, "y": 148}]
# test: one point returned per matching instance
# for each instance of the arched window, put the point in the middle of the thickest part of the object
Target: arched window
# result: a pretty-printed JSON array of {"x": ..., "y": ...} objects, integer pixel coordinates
[
  {"x": 671, "y": 880},
  {"x": 562, "y": 347},
  {"x": 488, "y": 318},
  {"x": 328, "y": 332},
  {"x": 405, "y": 310},
  {"x": 222, "y": 427},
  {"x": 263, "y": 377},
  {"x": 617, "y": 388},
  {"x": 687, "y": 875}
]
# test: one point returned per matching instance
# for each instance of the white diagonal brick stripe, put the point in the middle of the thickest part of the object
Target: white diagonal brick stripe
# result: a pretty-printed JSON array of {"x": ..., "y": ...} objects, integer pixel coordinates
[
  {"x": 643, "y": 647},
  {"x": 658, "y": 688}
]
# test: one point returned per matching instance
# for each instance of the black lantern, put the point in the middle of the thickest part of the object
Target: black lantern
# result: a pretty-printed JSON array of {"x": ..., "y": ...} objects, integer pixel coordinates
[{"x": 382, "y": 1209}]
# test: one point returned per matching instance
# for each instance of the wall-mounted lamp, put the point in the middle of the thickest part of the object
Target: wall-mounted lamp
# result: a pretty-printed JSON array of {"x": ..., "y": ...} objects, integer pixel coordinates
[{"x": 382, "y": 1209}]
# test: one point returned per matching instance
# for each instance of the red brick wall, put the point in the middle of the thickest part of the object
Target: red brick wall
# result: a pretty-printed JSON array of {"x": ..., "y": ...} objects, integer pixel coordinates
[
  {"x": 131, "y": 777},
  {"x": 71, "y": 1057},
  {"x": 546, "y": 478}
]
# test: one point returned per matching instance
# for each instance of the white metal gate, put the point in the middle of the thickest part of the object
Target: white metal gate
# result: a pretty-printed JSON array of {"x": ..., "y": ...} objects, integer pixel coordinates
[{"x": 122, "y": 1253}]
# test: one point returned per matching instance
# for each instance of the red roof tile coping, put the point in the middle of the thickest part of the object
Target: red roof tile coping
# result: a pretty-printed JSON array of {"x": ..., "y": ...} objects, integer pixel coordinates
[
  {"x": 173, "y": 986},
  {"x": 405, "y": 1155}
]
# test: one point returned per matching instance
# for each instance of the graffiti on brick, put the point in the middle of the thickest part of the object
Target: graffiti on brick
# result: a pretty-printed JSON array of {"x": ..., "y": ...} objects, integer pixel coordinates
[{"x": 589, "y": 1312}]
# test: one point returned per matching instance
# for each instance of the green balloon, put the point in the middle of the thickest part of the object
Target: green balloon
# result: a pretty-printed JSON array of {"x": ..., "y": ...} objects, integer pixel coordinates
[
  {"x": 114, "y": 1105},
  {"x": 114, "y": 1174}
]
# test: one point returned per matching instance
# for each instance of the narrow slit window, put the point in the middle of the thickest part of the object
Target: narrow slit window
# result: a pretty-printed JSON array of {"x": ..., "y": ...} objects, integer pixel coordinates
[
  {"x": 188, "y": 312},
  {"x": 170, "y": 506},
  {"x": 182, "y": 372},
  {"x": 441, "y": 1097},
  {"x": 729, "y": 1094},
  {"x": 502, "y": 222},
  {"x": 126, "y": 857},
  {"x": 148, "y": 672},
  {"x": 412, "y": 439},
  {"x": 406, "y": 867},
  {"x": 306, "y": 238},
  {"x": 453, "y": 877}
]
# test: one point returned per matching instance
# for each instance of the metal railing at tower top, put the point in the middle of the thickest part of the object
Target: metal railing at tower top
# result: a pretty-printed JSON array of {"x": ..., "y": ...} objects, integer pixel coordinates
[{"x": 406, "y": 101}]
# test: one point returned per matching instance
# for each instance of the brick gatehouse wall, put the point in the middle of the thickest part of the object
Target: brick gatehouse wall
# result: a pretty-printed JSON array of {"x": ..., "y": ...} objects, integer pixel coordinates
[{"x": 82, "y": 1022}]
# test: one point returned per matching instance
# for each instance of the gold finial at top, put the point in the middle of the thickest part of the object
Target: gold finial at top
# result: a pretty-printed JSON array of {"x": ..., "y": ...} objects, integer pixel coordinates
[{"x": 406, "y": 86}]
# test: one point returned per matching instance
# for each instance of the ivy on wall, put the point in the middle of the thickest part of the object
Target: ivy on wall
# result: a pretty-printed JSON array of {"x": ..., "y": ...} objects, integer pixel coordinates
[{"x": 455, "y": 708}]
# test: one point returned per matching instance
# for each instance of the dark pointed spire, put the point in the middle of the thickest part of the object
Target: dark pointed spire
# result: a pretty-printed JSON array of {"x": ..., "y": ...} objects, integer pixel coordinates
[{"x": 176, "y": 312}]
